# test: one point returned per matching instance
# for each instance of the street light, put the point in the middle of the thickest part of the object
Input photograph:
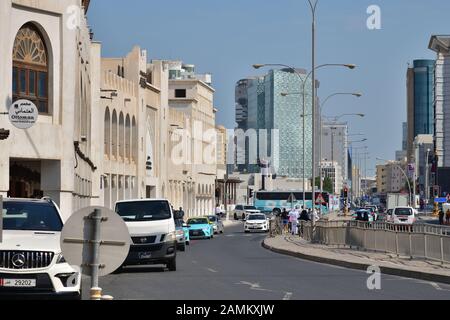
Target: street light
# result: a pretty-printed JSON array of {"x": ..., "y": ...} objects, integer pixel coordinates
[
  {"x": 304, "y": 81},
  {"x": 406, "y": 176}
]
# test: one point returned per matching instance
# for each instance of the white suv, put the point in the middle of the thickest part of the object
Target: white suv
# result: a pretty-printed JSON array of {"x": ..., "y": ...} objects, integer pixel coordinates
[
  {"x": 241, "y": 212},
  {"x": 31, "y": 263}
]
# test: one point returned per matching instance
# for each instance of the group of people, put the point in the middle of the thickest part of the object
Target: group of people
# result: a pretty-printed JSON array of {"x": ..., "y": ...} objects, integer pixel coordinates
[
  {"x": 290, "y": 220},
  {"x": 444, "y": 217}
]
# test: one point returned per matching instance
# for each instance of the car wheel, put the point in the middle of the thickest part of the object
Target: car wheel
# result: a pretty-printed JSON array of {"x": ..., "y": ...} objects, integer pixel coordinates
[
  {"x": 182, "y": 248},
  {"x": 172, "y": 265}
]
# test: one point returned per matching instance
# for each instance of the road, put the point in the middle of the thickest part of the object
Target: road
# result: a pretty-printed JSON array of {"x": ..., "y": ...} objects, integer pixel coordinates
[{"x": 234, "y": 266}]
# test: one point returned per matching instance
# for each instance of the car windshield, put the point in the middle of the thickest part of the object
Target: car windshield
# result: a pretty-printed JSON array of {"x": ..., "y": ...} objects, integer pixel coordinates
[
  {"x": 143, "y": 211},
  {"x": 25, "y": 216},
  {"x": 212, "y": 219},
  {"x": 257, "y": 217},
  {"x": 403, "y": 212},
  {"x": 198, "y": 221},
  {"x": 249, "y": 208}
]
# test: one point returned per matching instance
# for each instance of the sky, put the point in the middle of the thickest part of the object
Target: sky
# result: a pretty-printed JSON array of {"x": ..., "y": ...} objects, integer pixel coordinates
[{"x": 226, "y": 38}]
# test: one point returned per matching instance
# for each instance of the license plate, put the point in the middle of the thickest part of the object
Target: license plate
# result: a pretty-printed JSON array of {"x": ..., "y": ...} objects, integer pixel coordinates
[
  {"x": 145, "y": 255},
  {"x": 196, "y": 233},
  {"x": 18, "y": 283}
]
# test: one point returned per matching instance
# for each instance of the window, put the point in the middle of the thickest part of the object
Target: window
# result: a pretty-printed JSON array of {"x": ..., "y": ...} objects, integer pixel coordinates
[
  {"x": 30, "y": 68},
  {"x": 180, "y": 93}
]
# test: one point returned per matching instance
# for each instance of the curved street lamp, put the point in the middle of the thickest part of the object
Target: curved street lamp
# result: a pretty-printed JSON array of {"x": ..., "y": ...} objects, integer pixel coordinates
[{"x": 411, "y": 201}]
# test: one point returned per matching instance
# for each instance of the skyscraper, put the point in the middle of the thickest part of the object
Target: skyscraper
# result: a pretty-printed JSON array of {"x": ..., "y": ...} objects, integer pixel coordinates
[
  {"x": 420, "y": 83},
  {"x": 268, "y": 108}
]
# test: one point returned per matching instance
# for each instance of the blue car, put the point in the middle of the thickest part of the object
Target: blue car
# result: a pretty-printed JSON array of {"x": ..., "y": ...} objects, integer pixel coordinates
[
  {"x": 200, "y": 228},
  {"x": 182, "y": 232}
]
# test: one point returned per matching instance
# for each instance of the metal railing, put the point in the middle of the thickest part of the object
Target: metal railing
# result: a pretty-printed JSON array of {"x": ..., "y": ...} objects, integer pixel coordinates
[{"x": 414, "y": 241}]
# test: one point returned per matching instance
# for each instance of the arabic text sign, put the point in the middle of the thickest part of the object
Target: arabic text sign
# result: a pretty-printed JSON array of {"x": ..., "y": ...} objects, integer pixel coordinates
[{"x": 23, "y": 114}]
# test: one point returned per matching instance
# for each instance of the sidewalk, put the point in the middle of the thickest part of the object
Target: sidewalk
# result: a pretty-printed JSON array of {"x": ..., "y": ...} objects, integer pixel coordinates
[{"x": 361, "y": 260}]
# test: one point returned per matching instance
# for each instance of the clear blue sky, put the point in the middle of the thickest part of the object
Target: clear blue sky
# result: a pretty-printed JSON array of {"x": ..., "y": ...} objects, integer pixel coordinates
[{"x": 227, "y": 37}]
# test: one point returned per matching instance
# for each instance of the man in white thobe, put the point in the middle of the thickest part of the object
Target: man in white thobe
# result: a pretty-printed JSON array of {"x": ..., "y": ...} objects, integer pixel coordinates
[{"x": 293, "y": 219}]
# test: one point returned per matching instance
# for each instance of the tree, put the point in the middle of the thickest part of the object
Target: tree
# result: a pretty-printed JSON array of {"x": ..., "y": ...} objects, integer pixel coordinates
[{"x": 327, "y": 184}]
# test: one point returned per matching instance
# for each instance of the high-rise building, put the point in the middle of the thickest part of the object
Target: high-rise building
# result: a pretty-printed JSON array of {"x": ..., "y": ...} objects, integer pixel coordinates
[
  {"x": 333, "y": 171},
  {"x": 281, "y": 116},
  {"x": 441, "y": 45},
  {"x": 423, "y": 150},
  {"x": 420, "y": 86},
  {"x": 335, "y": 146}
]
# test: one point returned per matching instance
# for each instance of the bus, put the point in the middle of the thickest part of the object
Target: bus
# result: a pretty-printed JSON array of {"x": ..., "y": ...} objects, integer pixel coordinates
[{"x": 268, "y": 201}]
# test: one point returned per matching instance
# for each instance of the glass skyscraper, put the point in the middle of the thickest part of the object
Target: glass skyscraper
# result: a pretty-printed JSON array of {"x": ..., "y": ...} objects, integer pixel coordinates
[{"x": 269, "y": 109}]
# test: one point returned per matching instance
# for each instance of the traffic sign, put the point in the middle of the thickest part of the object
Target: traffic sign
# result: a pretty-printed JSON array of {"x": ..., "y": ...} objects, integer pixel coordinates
[
  {"x": 23, "y": 114},
  {"x": 320, "y": 199},
  {"x": 292, "y": 198},
  {"x": 79, "y": 238}
]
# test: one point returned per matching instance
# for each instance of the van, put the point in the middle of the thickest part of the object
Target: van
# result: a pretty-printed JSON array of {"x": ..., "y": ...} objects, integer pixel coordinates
[
  {"x": 403, "y": 215},
  {"x": 151, "y": 224}
]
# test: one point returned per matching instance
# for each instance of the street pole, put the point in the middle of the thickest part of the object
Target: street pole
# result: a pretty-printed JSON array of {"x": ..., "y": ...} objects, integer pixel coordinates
[
  {"x": 1, "y": 218},
  {"x": 427, "y": 181},
  {"x": 96, "y": 292}
]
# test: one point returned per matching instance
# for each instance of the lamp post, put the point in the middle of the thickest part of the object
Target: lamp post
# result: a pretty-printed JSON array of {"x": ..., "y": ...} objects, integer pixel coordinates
[
  {"x": 350, "y": 144},
  {"x": 427, "y": 180},
  {"x": 406, "y": 176},
  {"x": 304, "y": 82}
]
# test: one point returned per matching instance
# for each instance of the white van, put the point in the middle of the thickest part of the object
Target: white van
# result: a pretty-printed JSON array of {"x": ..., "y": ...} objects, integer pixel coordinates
[
  {"x": 403, "y": 215},
  {"x": 151, "y": 224}
]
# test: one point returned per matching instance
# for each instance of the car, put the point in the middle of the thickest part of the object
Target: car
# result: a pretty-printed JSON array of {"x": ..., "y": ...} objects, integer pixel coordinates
[
  {"x": 256, "y": 222},
  {"x": 182, "y": 231},
  {"x": 241, "y": 212},
  {"x": 403, "y": 215},
  {"x": 373, "y": 210},
  {"x": 217, "y": 224},
  {"x": 151, "y": 223},
  {"x": 31, "y": 261},
  {"x": 200, "y": 228},
  {"x": 363, "y": 215}
]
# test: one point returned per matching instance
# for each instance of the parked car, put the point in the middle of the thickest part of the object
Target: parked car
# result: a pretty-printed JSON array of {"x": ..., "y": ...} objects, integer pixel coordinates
[
  {"x": 241, "y": 212},
  {"x": 182, "y": 231},
  {"x": 217, "y": 224},
  {"x": 200, "y": 228},
  {"x": 256, "y": 222},
  {"x": 151, "y": 224},
  {"x": 404, "y": 215},
  {"x": 31, "y": 262}
]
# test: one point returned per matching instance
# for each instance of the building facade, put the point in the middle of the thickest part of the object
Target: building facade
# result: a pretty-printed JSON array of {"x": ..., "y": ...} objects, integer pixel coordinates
[
  {"x": 335, "y": 146},
  {"x": 423, "y": 151},
  {"x": 275, "y": 104},
  {"x": 420, "y": 86},
  {"x": 390, "y": 178},
  {"x": 333, "y": 171},
  {"x": 441, "y": 45},
  {"x": 49, "y": 58}
]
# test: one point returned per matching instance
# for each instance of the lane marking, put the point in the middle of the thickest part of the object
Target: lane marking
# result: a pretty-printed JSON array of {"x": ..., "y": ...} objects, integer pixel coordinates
[
  {"x": 254, "y": 286},
  {"x": 212, "y": 270},
  {"x": 288, "y": 296}
]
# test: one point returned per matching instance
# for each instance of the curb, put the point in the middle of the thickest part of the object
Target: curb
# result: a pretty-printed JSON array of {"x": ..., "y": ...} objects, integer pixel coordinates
[{"x": 362, "y": 266}]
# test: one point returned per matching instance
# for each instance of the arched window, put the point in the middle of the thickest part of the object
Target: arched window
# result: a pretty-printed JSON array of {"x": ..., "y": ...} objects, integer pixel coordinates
[
  {"x": 114, "y": 135},
  {"x": 107, "y": 133},
  {"x": 121, "y": 136},
  {"x": 128, "y": 138},
  {"x": 30, "y": 68}
]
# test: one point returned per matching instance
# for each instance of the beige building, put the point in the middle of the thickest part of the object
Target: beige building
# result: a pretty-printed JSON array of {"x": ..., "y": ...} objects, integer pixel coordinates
[
  {"x": 192, "y": 95},
  {"x": 390, "y": 178},
  {"x": 47, "y": 57}
]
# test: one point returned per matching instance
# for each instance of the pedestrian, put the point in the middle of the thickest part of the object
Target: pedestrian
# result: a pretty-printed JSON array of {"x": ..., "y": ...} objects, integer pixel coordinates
[
  {"x": 441, "y": 217},
  {"x": 447, "y": 217},
  {"x": 218, "y": 211},
  {"x": 293, "y": 218},
  {"x": 304, "y": 216},
  {"x": 285, "y": 220},
  {"x": 181, "y": 212}
]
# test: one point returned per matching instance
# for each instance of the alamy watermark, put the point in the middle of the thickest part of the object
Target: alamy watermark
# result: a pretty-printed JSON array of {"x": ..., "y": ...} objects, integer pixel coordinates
[
  {"x": 374, "y": 19},
  {"x": 374, "y": 280}
]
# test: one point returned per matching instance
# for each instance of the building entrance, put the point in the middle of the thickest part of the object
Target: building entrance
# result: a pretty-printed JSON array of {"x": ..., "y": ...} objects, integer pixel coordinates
[{"x": 25, "y": 179}]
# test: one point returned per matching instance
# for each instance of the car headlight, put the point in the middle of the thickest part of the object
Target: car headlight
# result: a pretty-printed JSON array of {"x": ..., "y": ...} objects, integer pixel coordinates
[
  {"x": 171, "y": 237},
  {"x": 180, "y": 233},
  {"x": 60, "y": 259}
]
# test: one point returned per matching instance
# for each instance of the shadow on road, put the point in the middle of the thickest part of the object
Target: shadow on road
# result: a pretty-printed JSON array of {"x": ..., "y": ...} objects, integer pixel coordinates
[{"x": 139, "y": 269}]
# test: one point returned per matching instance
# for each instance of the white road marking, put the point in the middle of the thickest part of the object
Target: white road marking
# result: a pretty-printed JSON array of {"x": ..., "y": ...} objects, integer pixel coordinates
[
  {"x": 212, "y": 270},
  {"x": 254, "y": 286},
  {"x": 288, "y": 296}
]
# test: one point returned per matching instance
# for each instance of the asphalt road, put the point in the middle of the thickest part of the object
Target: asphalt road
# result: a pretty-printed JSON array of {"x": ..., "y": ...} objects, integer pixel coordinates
[{"x": 234, "y": 266}]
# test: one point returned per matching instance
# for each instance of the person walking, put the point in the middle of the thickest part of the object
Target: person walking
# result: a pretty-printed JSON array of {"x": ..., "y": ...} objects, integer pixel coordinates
[
  {"x": 447, "y": 217},
  {"x": 285, "y": 220},
  {"x": 441, "y": 217},
  {"x": 293, "y": 218}
]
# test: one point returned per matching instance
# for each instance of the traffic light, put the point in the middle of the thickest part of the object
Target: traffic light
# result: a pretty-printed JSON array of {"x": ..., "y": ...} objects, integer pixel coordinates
[{"x": 4, "y": 134}]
